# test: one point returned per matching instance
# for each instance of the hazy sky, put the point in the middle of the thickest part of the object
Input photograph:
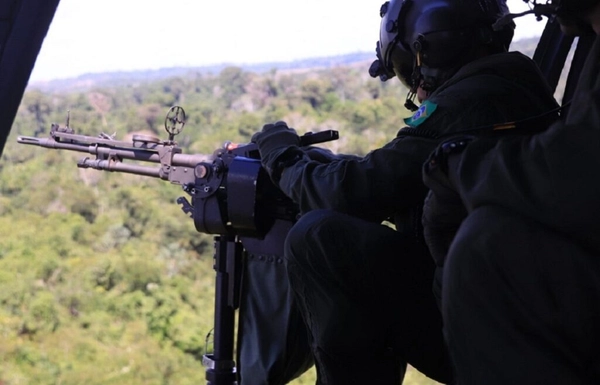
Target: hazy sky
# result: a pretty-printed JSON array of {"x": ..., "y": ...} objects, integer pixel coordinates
[{"x": 112, "y": 35}]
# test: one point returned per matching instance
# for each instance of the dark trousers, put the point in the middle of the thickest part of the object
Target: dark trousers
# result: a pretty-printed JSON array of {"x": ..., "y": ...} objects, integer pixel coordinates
[
  {"x": 521, "y": 304},
  {"x": 365, "y": 294}
]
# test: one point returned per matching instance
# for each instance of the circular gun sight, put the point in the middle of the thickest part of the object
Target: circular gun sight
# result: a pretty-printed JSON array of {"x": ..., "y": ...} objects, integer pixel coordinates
[{"x": 174, "y": 121}]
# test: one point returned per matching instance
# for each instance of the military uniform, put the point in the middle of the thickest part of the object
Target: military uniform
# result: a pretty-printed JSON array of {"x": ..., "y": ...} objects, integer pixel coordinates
[
  {"x": 522, "y": 277},
  {"x": 363, "y": 288}
]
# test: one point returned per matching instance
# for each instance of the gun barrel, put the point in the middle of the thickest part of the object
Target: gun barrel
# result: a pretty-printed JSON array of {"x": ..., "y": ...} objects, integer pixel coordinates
[
  {"x": 104, "y": 150},
  {"x": 29, "y": 140},
  {"x": 177, "y": 175},
  {"x": 107, "y": 165},
  {"x": 51, "y": 143}
]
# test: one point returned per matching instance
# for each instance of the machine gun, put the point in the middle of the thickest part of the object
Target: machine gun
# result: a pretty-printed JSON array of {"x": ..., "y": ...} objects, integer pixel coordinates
[{"x": 232, "y": 197}]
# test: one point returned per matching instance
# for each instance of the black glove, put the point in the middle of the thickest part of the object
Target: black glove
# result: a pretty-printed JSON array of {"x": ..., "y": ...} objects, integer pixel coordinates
[{"x": 278, "y": 146}]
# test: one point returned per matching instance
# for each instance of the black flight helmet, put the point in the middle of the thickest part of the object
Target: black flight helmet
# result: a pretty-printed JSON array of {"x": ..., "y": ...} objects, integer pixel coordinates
[
  {"x": 389, "y": 38},
  {"x": 424, "y": 42}
]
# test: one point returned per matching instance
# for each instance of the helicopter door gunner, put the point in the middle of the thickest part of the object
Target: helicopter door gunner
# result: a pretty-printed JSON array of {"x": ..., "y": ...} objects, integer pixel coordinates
[{"x": 365, "y": 289}]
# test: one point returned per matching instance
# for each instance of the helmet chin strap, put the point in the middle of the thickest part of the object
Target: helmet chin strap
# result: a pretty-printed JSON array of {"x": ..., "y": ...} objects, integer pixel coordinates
[
  {"x": 409, "y": 104},
  {"x": 418, "y": 79},
  {"x": 415, "y": 80}
]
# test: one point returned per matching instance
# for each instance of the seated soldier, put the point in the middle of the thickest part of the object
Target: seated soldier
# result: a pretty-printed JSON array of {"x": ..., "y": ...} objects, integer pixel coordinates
[
  {"x": 364, "y": 288},
  {"x": 522, "y": 276}
]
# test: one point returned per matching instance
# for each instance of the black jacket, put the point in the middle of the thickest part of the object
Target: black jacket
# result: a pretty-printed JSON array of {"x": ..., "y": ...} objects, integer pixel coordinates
[
  {"x": 387, "y": 182},
  {"x": 552, "y": 177}
]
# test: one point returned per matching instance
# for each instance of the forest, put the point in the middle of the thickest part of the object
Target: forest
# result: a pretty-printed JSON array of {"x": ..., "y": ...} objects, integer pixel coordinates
[{"x": 103, "y": 279}]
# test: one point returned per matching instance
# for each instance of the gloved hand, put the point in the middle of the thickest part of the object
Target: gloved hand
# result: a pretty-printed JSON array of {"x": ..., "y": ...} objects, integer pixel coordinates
[{"x": 278, "y": 146}]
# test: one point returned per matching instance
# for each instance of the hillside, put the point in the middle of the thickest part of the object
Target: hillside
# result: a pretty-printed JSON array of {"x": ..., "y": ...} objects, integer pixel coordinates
[{"x": 527, "y": 46}]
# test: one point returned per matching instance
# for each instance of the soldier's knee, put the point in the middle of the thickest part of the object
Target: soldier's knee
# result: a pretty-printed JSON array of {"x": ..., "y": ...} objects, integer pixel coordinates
[{"x": 312, "y": 229}]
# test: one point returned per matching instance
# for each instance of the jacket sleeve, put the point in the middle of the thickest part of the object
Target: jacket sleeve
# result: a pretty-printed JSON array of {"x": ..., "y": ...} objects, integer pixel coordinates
[
  {"x": 373, "y": 187},
  {"x": 388, "y": 180},
  {"x": 552, "y": 177}
]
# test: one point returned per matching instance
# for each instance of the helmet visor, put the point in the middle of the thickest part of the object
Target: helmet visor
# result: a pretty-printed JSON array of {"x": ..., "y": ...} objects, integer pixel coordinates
[{"x": 402, "y": 63}]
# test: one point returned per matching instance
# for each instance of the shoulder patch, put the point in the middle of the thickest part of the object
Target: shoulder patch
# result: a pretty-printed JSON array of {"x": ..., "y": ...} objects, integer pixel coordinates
[{"x": 425, "y": 111}]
